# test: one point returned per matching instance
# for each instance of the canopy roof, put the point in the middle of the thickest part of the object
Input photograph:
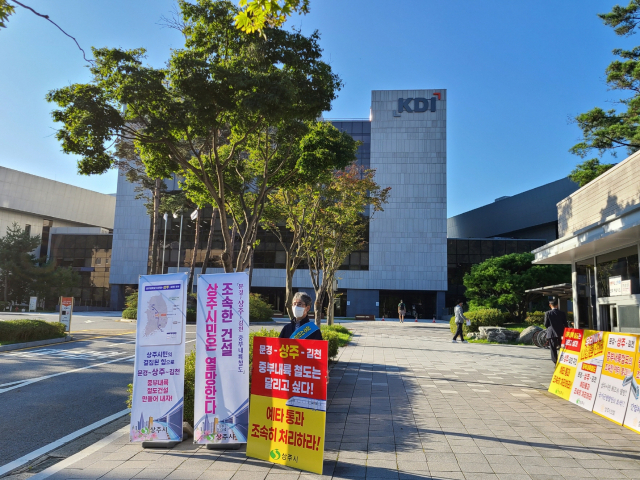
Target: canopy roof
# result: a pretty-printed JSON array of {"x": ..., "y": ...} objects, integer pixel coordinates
[{"x": 563, "y": 290}]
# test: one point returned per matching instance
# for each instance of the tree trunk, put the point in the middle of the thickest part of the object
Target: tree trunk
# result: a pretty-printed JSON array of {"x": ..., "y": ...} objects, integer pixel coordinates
[
  {"x": 318, "y": 306},
  {"x": 192, "y": 268},
  {"x": 232, "y": 248},
  {"x": 251, "y": 271},
  {"x": 331, "y": 295},
  {"x": 154, "y": 226},
  {"x": 209, "y": 243},
  {"x": 288, "y": 288}
]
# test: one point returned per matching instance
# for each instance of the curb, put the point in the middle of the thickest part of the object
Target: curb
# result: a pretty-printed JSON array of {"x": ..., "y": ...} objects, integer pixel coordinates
[
  {"x": 126, "y": 320},
  {"x": 39, "y": 343}
]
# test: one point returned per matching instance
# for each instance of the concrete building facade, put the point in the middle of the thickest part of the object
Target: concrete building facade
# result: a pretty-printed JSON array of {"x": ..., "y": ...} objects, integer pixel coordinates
[
  {"x": 38, "y": 204},
  {"x": 405, "y": 141},
  {"x": 599, "y": 227}
]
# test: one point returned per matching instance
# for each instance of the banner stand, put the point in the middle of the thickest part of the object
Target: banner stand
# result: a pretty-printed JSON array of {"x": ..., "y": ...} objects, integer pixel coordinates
[
  {"x": 225, "y": 446},
  {"x": 161, "y": 444}
]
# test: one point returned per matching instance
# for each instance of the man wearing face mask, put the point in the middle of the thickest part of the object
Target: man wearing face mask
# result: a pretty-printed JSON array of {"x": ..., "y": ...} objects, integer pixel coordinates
[{"x": 300, "y": 327}]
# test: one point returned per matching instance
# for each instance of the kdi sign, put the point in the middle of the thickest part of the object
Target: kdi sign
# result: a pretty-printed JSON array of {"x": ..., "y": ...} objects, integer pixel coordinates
[{"x": 419, "y": 105}]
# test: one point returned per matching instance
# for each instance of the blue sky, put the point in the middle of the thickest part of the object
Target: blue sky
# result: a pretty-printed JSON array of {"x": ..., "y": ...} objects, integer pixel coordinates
[{"x": 515, "y": 73}]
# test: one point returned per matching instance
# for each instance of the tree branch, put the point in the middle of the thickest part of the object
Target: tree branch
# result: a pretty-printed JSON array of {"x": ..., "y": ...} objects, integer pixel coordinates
[{"x": 46, "y": 17}]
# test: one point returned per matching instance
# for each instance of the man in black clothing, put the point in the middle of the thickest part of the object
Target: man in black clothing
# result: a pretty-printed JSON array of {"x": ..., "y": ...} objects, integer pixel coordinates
[
  {"x": 556, "y": 322},
  {"x": 301, "y": 306}
]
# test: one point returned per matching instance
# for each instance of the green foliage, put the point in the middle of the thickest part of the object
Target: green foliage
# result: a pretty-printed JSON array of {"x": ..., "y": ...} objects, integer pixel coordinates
[
  {"x": 501, "y": 282},
  {"x": 480, "y": 317},
  {"x": 609, "y": 130},
  {"x": 18, "y": 331},
  {"x": 192, "y": 315},
  {"x": 535, "y": 318},
  {"x": 260, "y": 14},
  {"x": 228, "y": 112},
  {"x": 5, "y": 10},
  {"x": 131, "y": 304},
  {"x": 588, "y": 170},
  {"x": 259, "y": 309},
  {"x": 26, "y": 275},
  {"x": 189, "y": 386}
]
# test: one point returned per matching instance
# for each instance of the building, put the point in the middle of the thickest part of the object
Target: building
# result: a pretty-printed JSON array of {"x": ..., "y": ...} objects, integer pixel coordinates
[
  {"x": 515, "y": 224},
  {"x": 74, "y": 225},
  {"x": 599, "y": 236},
  {"x": 404, "y": 139}
]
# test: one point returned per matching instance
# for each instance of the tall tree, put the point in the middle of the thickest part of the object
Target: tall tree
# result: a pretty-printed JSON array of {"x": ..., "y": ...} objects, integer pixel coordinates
[
  {"x": 228, "y": 112},
  {"x": 501, "y": 282},
  {"x": 340, "y": 226},
  {"x": 18, "y": 263},
  {"x": 617, "y": 128},
  {"x": 258, "y": 14}
]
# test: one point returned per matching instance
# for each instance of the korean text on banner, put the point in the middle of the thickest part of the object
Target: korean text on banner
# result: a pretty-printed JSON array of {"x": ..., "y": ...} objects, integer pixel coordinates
[
  {"x": 222, "y": 359},
  {"x": 613, "y": 392},
  {"x": 632, "y": 418},
  {"x": 589, "y": 368},
  {"x": 565, "y": 371},
  {"x": 158, "y": 378},
  {"x": 288, "y": 402}
]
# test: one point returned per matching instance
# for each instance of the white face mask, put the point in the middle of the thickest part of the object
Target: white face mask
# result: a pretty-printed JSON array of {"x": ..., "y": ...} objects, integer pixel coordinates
[{"x": 298, "y": 311}]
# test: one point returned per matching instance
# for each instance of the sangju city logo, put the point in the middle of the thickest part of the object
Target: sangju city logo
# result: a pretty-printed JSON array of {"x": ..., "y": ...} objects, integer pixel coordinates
[{"x": 275, "y": 454}]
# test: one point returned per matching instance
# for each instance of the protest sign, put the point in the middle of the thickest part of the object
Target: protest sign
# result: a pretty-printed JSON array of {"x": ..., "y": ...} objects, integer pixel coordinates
[
  {"x": 158, "y": 378},
  {"x": 632, "y": 417},
  {"x": 222, "y": 359},
  {"x": 565, "y": 372},
  {"x": 589, "y": 368},
  {"x": 613, "y": 391},
  {"x": 288, "y": 402}
]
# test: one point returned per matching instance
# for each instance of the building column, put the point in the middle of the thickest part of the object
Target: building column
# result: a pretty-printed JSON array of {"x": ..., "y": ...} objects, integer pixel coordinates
[
  {"x": 440, "y": 304},
  {"x": 574, "y": 291}
]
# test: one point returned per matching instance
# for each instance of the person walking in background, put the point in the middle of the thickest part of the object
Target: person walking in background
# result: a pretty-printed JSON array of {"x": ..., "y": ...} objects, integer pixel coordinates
[
  {"x": 402, "y": 311},
  {"x": 460, "y": 320},
  {"x": 556, "y": 322}
]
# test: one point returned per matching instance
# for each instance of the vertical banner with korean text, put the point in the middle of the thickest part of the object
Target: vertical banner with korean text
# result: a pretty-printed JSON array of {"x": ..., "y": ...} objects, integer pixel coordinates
[
  {"x": 565, "y": 372},
  {"x": 158, "y": 378},
  {"x": 288, "y": 402},
  {"x": 613, "y": 392},
  {"x": 589, "y": 369},
  {"x": 632, "y": 418},
  {"x": 222, "y": 359}
]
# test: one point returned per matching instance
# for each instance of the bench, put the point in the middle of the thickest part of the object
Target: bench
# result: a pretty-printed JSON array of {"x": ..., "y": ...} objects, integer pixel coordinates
[{"x": 365, "y": 317}]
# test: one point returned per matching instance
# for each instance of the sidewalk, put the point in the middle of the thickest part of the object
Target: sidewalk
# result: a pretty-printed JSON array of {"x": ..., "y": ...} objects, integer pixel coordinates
[{"x": 405, "y": 403}]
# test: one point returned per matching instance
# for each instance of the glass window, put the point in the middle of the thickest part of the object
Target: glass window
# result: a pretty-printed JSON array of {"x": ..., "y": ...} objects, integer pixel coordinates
[
  {"x": 620, "y": 263},
  {"x": 586, "y": 285}
]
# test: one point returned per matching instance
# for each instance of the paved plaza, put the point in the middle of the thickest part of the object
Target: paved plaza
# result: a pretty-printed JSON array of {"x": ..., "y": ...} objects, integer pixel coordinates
[{"x": 406, "y": 403}]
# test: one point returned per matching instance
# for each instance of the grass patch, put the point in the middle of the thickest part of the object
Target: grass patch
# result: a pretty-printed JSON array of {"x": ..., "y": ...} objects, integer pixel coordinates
[{"x": 19, "y": 331}]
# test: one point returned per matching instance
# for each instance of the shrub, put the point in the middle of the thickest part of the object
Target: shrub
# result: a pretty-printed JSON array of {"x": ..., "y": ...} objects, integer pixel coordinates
[
  {"x": 192, "y": 314},
  {"x": 131, "y": 302},
  {"x": 334, "y": 343},
  {"x": 535, "y": 318},
  {"x": 482, "y": 317},
  {"x": 18, "y": 331},
  {"x": 259, "y": 310}
]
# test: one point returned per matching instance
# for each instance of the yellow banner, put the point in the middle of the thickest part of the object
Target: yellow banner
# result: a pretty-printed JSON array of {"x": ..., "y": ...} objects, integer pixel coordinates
[
  {"x": 617, "y": 371},
  {"x": 286, "y": 435},
  {"x": 632, "y": 417}
]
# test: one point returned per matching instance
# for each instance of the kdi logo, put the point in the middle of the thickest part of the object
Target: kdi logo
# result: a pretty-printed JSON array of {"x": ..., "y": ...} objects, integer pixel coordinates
[{"x": 419, "y": 105}]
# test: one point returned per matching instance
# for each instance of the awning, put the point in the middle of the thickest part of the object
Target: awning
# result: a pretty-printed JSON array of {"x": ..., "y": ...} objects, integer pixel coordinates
[{"x": 563, "y": 290}]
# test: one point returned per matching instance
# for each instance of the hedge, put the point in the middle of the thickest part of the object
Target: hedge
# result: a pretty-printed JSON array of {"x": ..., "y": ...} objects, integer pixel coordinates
[
  {"x": 330, "y": 334},
  {"x": 259, "y": 309},
  {"x": 537, "y": 318},
  {"x": 17, "y": 331},
  {"x": 482, "y": 317}
]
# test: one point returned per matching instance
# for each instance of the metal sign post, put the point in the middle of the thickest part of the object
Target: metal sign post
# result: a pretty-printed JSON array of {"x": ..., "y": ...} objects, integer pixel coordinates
[{"x": 66, "y": 311}]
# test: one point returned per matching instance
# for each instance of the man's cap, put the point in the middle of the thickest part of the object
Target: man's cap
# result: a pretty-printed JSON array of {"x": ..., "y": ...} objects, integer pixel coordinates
[{"x": 553, "y": 301}]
